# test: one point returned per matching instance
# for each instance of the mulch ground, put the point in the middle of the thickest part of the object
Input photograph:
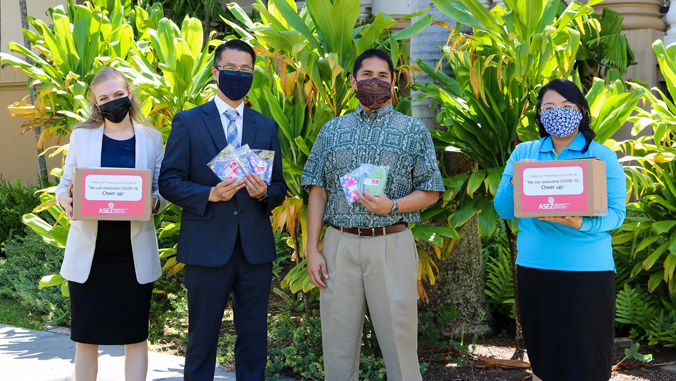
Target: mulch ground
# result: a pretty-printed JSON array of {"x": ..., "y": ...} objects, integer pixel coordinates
[{"x": 503, "y": 348}]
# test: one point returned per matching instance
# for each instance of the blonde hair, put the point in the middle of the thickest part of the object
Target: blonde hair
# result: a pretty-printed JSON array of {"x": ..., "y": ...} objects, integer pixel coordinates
[{"x": 95, "y": 120}]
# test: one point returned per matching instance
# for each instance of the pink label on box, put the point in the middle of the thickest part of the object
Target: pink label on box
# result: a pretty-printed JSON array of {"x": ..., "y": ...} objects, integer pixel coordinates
[
  {"x": 113, "y": 194},
  {"x": 557, "y": 187}
]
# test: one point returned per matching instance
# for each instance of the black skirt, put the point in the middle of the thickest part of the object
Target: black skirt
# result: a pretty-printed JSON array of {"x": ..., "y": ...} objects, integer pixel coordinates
[
  {"x": 568, "y": 321},
  {"x": 111, "y": 307}
]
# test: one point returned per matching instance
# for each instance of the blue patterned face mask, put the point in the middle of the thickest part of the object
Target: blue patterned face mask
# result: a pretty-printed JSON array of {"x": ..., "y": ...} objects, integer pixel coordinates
[{"x": 561, "y": 122}]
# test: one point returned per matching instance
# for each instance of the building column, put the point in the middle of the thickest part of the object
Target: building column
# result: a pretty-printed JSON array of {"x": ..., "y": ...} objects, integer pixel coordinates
[
  {"x": 394, "y": 8},
  {"x": 364, "y": 10},
  {"x": 670, "y": 18}
]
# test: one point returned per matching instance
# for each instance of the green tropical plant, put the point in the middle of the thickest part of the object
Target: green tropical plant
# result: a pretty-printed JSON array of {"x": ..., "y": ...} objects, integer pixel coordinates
[
  {"x": 207, "y": 11},
  {"x": 28, "y": 258},
  {"x": 172, "y": 68},
  {"x": 15, "y": 201},
  {"x": 69, "y": 53},
  {"x": 648, "y": 318},
  {"x": 650, "y": 228},
  {"x": 604, "y": 52},
  {"x": 499, "y": 281}
]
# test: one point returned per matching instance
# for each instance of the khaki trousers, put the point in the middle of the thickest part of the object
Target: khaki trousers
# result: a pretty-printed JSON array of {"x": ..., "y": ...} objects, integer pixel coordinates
[{"x": 380, "y": 272}]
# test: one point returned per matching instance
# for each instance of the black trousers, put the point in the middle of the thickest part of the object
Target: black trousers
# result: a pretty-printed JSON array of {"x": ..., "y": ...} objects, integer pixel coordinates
[
  {"x": 208, "y": 291},
  {"x": 568, "y": 321}
]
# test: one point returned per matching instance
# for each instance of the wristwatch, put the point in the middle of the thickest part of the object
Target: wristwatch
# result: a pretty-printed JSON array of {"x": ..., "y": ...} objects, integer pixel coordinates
[
  {"x": 156, "y": 203},
  {"x": 265, "y": 196},
  {"x": 395, "y": 207}
]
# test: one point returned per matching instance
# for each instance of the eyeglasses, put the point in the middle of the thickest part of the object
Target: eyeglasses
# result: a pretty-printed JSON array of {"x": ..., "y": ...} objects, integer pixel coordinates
[
  {"x": 565, "y": 107},
  {"x": 231, "y": 70}
]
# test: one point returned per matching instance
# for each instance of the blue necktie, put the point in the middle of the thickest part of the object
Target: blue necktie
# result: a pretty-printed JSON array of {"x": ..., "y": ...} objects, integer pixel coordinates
[{"x": 232, "y": 128}]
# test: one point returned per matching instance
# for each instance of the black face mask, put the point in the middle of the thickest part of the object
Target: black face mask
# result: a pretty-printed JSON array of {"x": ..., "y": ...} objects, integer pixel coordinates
[
  {"x": 234, "y": 86},
  {"x": 116, "y": 110}
]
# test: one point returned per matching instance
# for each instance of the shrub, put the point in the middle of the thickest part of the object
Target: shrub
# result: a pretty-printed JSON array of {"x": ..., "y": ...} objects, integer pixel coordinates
[
  {"x": 15, "y": 201},
  {"x": 28, "y": 259}
]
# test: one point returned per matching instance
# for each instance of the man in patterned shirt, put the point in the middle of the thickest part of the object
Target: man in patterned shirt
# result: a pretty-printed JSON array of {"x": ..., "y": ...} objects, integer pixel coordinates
[{"x": 369, "y": 254}]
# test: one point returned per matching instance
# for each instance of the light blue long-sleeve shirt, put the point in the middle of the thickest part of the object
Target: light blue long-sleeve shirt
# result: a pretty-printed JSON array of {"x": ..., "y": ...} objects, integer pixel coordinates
[{"x": 552, "y": 246}]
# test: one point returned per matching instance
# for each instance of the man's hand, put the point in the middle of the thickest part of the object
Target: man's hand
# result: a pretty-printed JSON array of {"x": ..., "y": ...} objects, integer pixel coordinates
[
  {"x": 315, "y": 263},
  {"x": 66, "y": 201},
  {"x": 256, "y": 187},
  {"x": 379, "y": 205},
  {"x": 224, "y": 190},
  {"x": 570, "y": 221}
]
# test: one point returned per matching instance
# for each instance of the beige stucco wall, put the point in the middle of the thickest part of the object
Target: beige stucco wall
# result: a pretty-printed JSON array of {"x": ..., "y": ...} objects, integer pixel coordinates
[{"x": 18, "y": 155}]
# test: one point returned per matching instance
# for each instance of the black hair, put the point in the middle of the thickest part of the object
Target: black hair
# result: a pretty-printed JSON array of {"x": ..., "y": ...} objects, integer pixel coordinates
[
  {"x": 572, "y": 93},
  {"x": 373, "y": 53},
  {"x": 234, "y": 44}
]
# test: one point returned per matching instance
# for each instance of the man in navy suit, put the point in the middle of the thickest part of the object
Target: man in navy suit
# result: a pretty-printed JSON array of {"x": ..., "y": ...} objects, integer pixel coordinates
[{"x": 226, "y": 239}]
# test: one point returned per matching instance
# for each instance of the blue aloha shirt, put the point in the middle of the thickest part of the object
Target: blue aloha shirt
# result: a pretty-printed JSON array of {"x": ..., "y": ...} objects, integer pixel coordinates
[{"x": 383, "y": 138}]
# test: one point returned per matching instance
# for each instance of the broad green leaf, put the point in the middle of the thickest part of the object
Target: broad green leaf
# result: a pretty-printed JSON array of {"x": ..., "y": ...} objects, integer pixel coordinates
[
  {"x": 654, "y": 256},
  {"x": 344, "y": 15},
  {"x": 64, "y": 289},
  {"x": 291, "y": 16},
  {"x": 414, "y": 29},
  {"x": 193, "y": 34},
  {"x": 669, "y": 267},
  {"x": 654, "y": 281},
  {"x": 51, "y": 280},
  {"x": 622, "y": 238},
  {"x": 487, "y": 220},
  {"x": 475, "y": 181},
  {"x": 662, "y": 227},
  {"x": 434, "y": 234}
]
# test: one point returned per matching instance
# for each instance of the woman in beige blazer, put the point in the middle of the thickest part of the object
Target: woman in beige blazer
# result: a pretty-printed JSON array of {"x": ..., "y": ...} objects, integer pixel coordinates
[{"x": 111, "y": 265}]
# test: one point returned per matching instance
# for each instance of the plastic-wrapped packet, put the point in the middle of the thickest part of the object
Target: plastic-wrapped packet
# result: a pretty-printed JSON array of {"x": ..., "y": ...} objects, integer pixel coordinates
[
  {"x": 236, "y": 163},
  {"x": 260, "y": 162},
  {"x": 367, "y": 177},
  {"x": 230, "y": 163}
]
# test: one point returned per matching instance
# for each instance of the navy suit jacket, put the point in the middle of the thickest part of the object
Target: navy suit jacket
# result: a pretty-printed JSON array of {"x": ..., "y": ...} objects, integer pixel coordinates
[{"x": 209, "y": 229}]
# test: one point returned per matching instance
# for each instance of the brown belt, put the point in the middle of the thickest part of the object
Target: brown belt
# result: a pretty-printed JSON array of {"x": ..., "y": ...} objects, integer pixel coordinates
[{"x": 374, "y": 232}]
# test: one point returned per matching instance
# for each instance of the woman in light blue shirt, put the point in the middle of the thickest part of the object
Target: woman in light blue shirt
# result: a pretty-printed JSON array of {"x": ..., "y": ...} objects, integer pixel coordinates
[{"x": 565, "y": 266}]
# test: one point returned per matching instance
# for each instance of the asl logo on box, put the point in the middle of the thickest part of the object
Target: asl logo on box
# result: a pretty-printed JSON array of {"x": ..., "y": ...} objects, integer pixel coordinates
[
  {"x": 552, "y": 205},
  {"x": 111, "y": 209}
]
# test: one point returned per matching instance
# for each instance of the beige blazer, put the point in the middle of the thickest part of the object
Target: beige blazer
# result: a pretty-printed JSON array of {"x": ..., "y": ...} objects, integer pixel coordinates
[{"x": 84, "y": 150}]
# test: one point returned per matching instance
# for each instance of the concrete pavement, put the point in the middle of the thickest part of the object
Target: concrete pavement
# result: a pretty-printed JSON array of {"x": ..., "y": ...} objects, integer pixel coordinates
[{"x": 27, "y": 355}]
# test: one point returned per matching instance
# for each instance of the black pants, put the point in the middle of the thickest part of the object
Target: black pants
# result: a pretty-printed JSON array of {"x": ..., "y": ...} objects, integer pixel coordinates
[
  {"x": 208, "y": 291},
  {"x": 568, "y": 321}
]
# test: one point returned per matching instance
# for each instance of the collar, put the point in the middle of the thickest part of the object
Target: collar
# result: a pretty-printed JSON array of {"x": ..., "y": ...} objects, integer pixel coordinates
[
  {"x": 577, "y": 144},
  {"x": 223, "y": 107},
  {"x": 377, "y": 113}
]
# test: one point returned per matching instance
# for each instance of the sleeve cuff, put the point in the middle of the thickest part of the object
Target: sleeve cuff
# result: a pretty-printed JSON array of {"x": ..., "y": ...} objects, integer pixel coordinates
[
  {"x": 307, "y": 184},
  {"x": 586, "y": 224},
  {"x": 434, "y": 184}
]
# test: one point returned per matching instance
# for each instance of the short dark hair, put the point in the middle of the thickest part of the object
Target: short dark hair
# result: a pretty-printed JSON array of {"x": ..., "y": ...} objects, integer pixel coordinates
[
  {"x": 373, "y": 53},
  {"x": 572, "y": 93},
  {"x": 234, "y": 44}
]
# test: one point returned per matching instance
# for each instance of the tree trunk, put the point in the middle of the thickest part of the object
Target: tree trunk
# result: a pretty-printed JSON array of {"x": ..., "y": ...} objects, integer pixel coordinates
[
  {"x": 42, "y": 164},
  {"x": 460, "y": 281}
]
